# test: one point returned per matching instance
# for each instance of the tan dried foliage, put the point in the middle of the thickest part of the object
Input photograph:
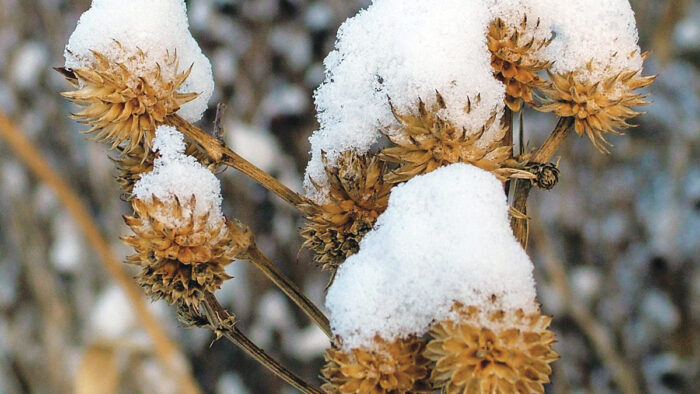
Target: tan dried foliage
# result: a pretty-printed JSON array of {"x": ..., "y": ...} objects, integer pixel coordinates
[
  {"x": 424, "y": 141},
  {"x": 512, "y": 356},
  {"x": 357, "y": 196},
  {"x": 598, "y": 108},
  {"x": 514, "y": 61},
  {"x": 392, "y": 367},
  {"x": 122, "y": 107}
]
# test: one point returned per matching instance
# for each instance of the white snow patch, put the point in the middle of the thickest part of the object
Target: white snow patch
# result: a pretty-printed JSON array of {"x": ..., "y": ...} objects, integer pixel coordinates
[
  {"x": 404, "y": 50},
  {"x": 176, "y": 175},
  {"x": 445, "y": 237},
  {"x": 154, "y": 26}
]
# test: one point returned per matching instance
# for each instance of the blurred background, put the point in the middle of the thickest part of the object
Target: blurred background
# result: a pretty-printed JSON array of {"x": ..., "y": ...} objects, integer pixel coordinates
[{"x": 616, "y": 244}]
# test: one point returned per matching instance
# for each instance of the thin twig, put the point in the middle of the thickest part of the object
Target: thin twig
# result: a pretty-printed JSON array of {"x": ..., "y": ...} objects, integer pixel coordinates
[
  {"x": 597, "y": 333},
  {"x": 223, "y": 324},
  {"x": 522, "y": 188},
  {"x": 165, "y": 348},
  {"x": 264, "y": 264},
  {"x": 219, "y": 152}
]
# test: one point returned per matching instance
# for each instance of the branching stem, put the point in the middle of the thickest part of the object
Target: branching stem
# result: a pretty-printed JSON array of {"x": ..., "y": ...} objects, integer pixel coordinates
[{"x": 222, "y": 322}]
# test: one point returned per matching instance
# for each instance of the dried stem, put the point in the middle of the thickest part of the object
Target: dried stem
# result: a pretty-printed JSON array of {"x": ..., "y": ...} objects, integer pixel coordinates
[
  {"x": 597, "y": 333},
  {"x": 219, "y": 152},
  {"x": 222, "y": 322},
  {"x": 522, "y": 188},
  {"x": 261, "y": 261},
  {"x": 166, "y": 350}
]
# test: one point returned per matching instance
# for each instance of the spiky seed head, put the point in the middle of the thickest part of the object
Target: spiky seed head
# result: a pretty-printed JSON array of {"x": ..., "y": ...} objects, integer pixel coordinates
[
  {"x": 389, "y": 367},
  {"x": 424, "y": 141},
  {"x": 182, "y": 254},
  {"x": 597, "y": 107},
  {"x": 499, "y": 352},
  {"x": 357, "y": 196},
  {"x": 124, "y": 106},
  {"x": 514, "y": 58}
]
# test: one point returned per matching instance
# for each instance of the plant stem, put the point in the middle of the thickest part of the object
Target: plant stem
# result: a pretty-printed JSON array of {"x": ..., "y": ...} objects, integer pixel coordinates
[
  {"x": 261, "y": 261},
  {"x": 221, "y": 153},
  {"x": 221, "y": 321},
  {"x": 165, "y": 349},
  {"x": 522, "y": 188}
]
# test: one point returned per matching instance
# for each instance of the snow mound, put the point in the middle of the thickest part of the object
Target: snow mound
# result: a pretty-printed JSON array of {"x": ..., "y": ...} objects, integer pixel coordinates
[{"x": 445, "y": 237}]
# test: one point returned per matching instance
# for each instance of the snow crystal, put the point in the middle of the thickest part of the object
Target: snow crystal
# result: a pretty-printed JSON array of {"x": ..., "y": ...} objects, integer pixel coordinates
[
  {"x": 176, "y": 175},
  {"x": 404, "y": 50},
  {"x": 445, "y": 237},
  {"x": 154, "y": 26},
  {"x": 603, "y": 32}
]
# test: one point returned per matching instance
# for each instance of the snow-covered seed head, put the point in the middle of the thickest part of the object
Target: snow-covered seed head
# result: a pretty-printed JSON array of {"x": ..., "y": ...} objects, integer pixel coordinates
[
  {"x": 424, "y": 141},
  {"x": 182, "y": 253},
  {"x": 598, "y": 107},
  {"x": 502, "y": 352},
  {"x": 389, "y": 367},
  {"x": 357, "y": 196},
  {"x": 124, "y": 106},
  {"x": 514, "y": 58}
]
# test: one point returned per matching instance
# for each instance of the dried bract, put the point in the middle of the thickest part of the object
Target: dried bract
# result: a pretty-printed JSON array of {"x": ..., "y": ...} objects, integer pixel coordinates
[
  {"x": 503, "y": 352},
  {"x": 391, "y": 367},
  {"x": 425, "y": 141},
  {"x": 514, "y": 61},
  {"x": 598, "y": 108},
  {"x": 124, "y": 106},
  {"x": 182, "y": 255},
  {"x": 357, "y": 196}
]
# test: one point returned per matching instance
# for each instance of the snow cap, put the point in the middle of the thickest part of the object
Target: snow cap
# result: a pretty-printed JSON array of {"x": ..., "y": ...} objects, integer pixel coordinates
[
  {"x": 444, "y": 238},
  {"x": 158, "y": 28}
]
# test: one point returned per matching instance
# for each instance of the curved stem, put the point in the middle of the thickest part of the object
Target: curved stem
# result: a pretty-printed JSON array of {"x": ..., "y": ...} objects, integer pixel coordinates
[
  {"x": 166, "y": 350},
  {"x": 220, "y": 153},
  {"x": 522, "y": 188},
  {"x": 261, "y": 261},
  {"x": 222, "y": 323}
]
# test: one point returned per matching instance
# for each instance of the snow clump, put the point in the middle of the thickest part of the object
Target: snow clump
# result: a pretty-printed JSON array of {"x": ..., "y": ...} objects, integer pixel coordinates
[
  {"x": 177, "y": 175},
  {"x": 444, "y": 238},
  {"x": 158, "y": 28}
]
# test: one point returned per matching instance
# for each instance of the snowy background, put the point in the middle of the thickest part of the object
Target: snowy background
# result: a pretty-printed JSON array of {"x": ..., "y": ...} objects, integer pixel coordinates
[{"x": 621, "y": 232}]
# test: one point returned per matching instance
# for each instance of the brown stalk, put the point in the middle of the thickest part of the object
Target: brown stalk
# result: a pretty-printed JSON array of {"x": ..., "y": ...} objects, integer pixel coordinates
[
  {"x": 166, "y": 350},
  {"x": 258, "y": 258},
  {"x": 522, "y": 188},
  {"x": 219, "y": 152},
  {"x": 223, "y": 324},
  {"x": 597, "y": 333}
]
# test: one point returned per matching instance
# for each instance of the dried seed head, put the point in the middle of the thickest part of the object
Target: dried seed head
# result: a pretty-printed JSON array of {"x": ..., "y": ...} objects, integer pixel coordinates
[
  {"x": 600, "y": 107},
  {"x": 390, "y": 367},
  {"x": 424, "y": 141},
  {"x": 124, "y": 106},
  {"x": 182, "y": 254},
  {"x": 514, "y": 61},
  {"x": 503, "y": 352},
  {"x": 546, "y": 174},
  {"x": 357, "y": 196}
]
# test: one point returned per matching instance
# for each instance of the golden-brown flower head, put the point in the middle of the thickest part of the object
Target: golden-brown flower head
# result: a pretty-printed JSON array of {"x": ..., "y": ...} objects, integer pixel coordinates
[
  {"x": 424, "y": 141},
  {"x": 597, "y": 107},
  {"x": 514, "y": 61},
  {"x": 502, "y": 352},
  {"x": 390, "y": 367},
  {"x": 182, "y": 254},
  {"x": 124, "y": 106},
  {"x": 357, "y": 196}
]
